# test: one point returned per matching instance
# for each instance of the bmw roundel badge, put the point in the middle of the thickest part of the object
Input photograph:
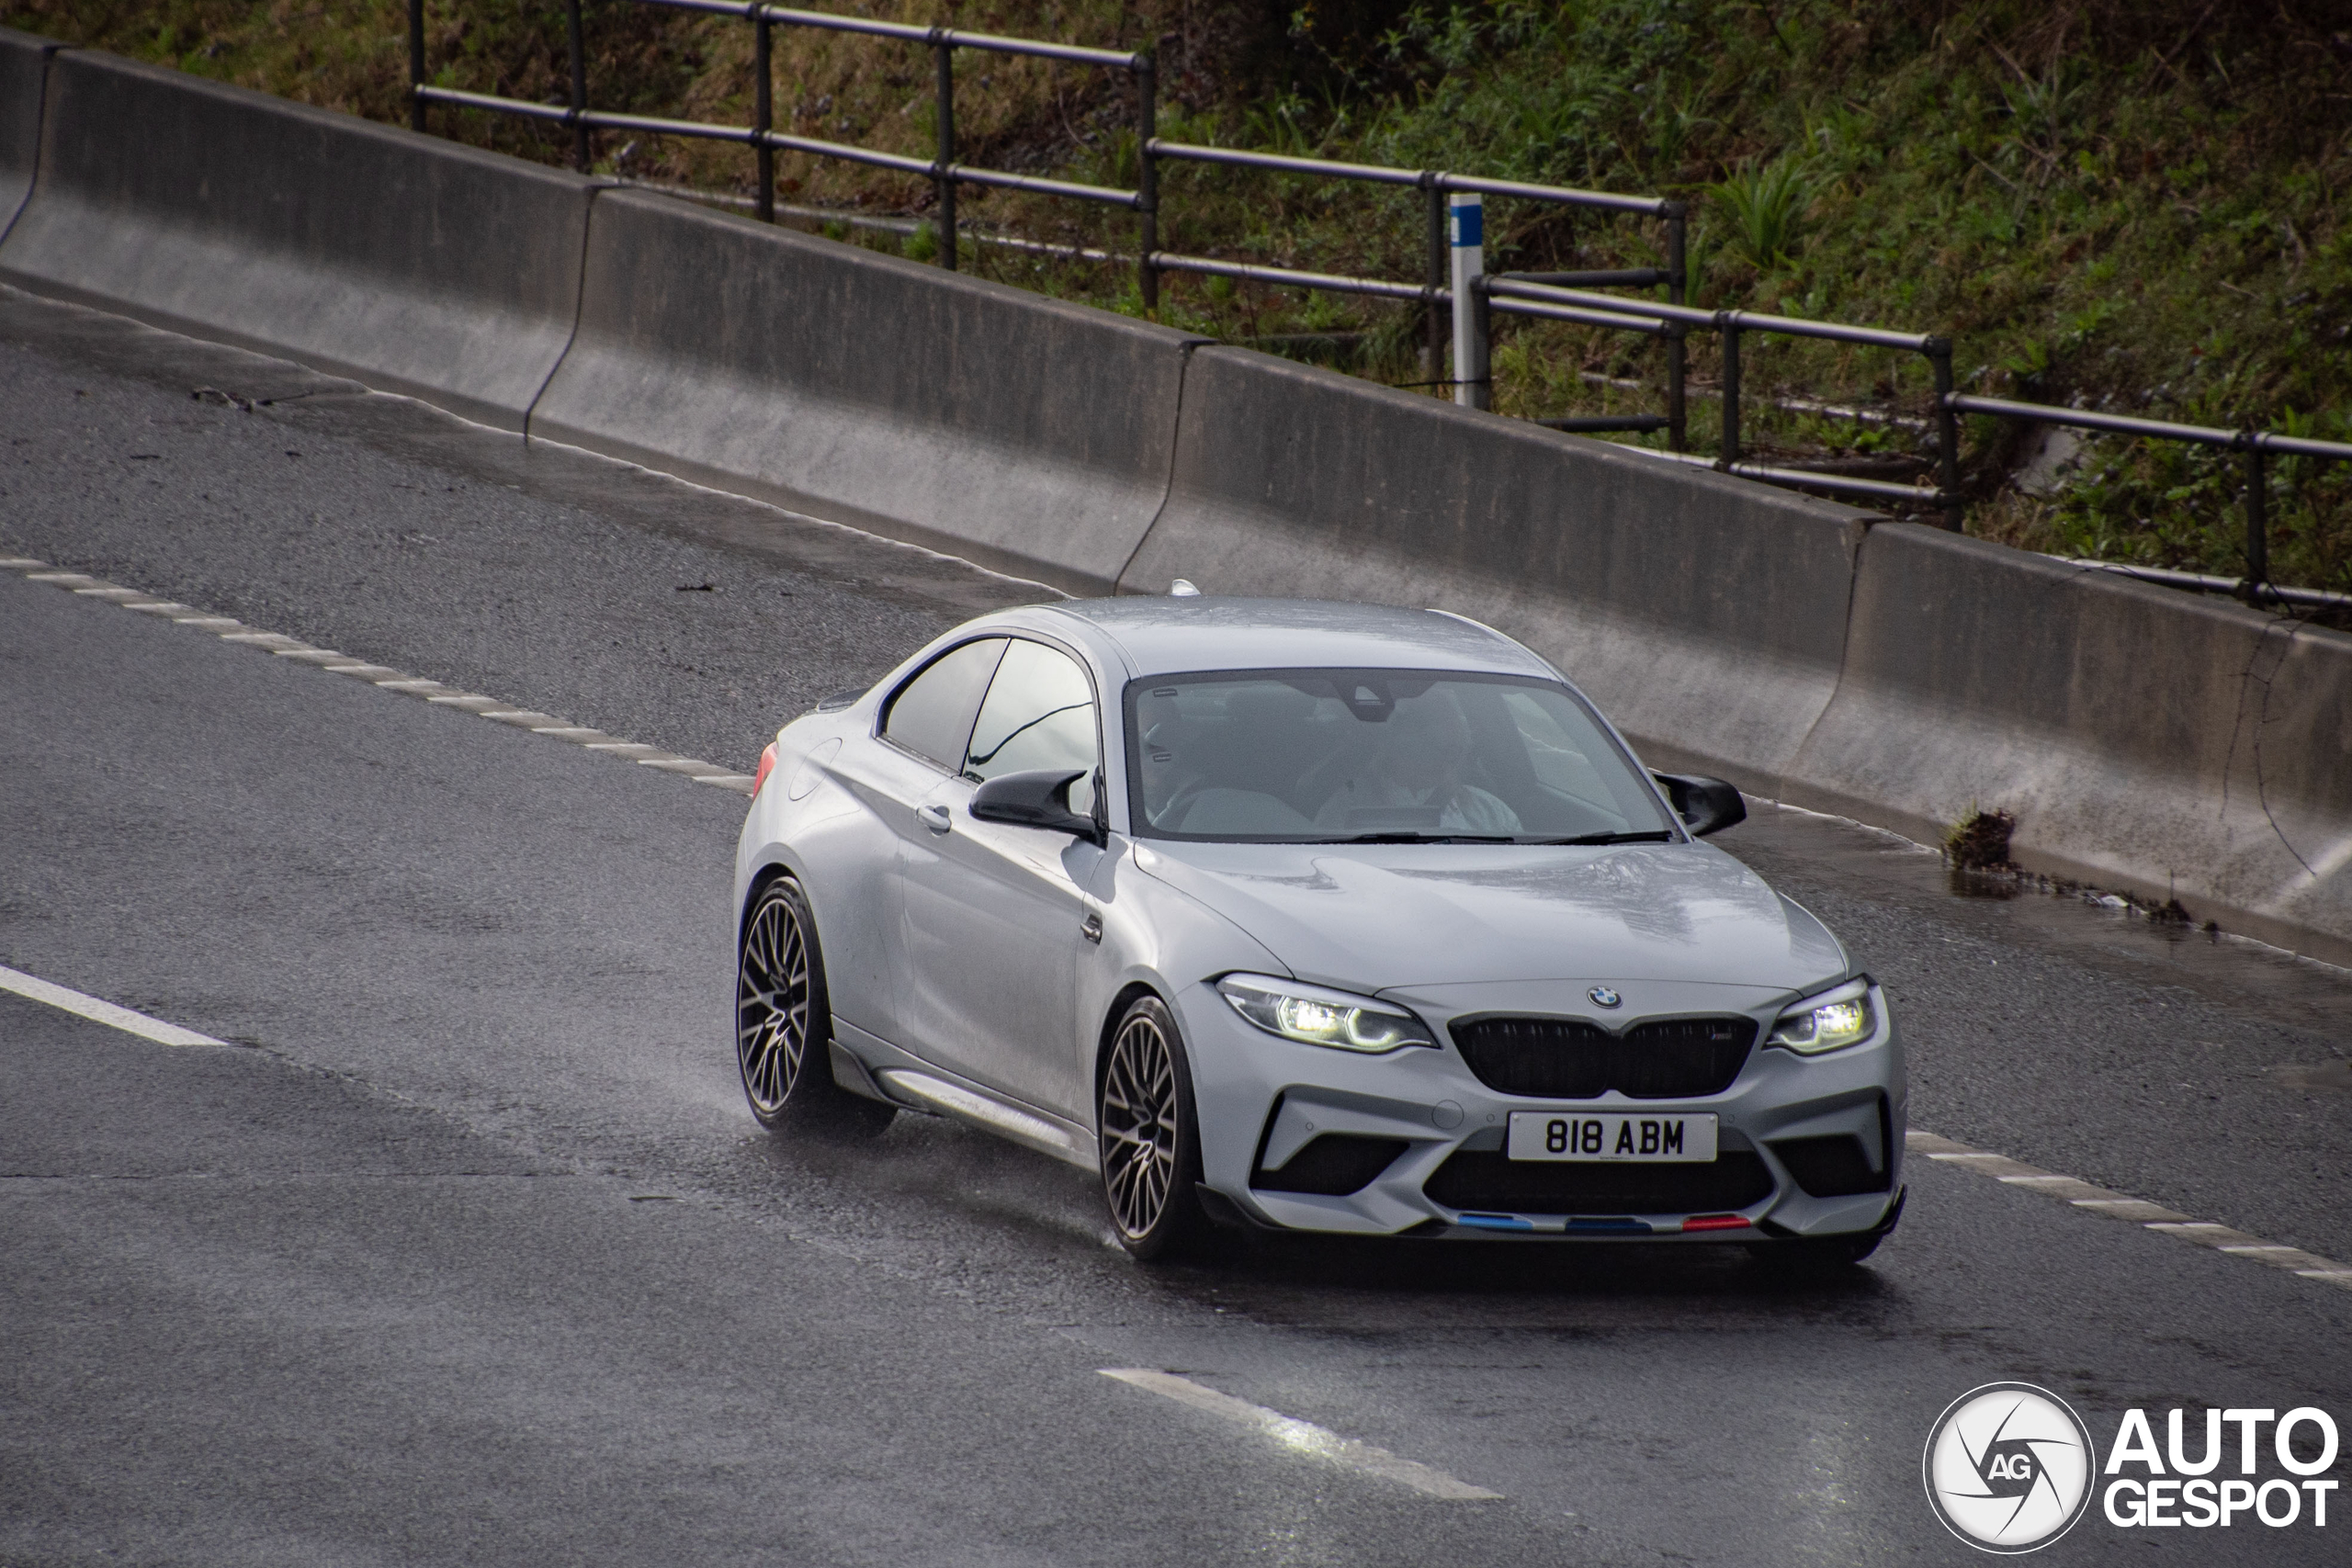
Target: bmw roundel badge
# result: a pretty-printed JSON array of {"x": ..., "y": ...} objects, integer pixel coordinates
[{"x": 1603, "y": 997}]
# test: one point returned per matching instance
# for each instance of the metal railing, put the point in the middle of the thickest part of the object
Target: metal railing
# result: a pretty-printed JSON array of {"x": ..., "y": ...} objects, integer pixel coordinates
[
  {"x": 2255, "y": 587},
  {"x": 1568, "y": 296},
  {"x": 1526, "y": 296},
  {"x": 765, "y": 140},
  {"x": 1431, "y": 292}
]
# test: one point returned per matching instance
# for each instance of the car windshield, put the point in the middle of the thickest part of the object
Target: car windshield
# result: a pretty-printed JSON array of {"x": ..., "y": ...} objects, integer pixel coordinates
[{"x": 1335, "y": 756}]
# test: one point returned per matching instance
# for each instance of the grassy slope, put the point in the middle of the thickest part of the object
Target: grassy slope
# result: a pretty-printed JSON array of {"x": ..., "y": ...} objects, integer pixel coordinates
[{"x": 2125, "y": 202}]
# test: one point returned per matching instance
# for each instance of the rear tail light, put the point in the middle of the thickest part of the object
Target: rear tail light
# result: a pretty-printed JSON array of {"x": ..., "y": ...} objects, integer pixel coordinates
[{"x": 767, "y": 766}]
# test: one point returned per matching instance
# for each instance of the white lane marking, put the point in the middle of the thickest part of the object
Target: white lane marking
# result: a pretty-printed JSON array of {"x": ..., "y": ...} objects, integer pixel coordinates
[
  {"x": 434, "y": 692},
  {"x": 2139, "y": 1211},
  {"x": 1303, "y": 1437},
  {"x": 97, "y": 1011}
]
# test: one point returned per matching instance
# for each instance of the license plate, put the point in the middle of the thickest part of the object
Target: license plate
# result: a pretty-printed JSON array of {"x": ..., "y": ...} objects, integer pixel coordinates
[{"x": 1548, "y": 1135}]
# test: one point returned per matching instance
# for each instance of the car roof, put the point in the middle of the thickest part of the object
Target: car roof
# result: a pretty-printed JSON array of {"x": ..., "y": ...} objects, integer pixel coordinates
[{"x": 1163, "y": 634}]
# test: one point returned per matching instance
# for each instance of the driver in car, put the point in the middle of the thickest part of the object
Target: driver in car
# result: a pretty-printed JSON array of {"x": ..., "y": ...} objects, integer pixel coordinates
[{"x": 1419, "y": 762}]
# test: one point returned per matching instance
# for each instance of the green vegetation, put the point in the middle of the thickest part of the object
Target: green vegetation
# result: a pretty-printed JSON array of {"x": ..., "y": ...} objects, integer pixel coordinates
[{"x": 2128, "y": 203}]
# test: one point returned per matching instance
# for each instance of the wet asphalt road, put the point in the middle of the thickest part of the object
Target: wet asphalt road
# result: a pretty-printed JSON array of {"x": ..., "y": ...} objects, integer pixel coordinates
[{"x": 468, "y": 1251}]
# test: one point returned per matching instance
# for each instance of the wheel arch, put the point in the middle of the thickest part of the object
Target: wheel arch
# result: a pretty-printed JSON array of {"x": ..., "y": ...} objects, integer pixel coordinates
[
  {"x": 771, "y": 872},
  {"x": 1126, "y": 997}
]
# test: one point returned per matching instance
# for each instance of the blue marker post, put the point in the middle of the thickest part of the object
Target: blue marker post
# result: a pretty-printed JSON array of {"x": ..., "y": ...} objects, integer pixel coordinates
[{"x": 1466, "y": 231}]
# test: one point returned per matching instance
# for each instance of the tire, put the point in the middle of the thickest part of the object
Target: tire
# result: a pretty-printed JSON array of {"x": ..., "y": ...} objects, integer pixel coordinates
[
  {"x": 784, "y": 1024},
  {"x": 1148, "y": 1138}
]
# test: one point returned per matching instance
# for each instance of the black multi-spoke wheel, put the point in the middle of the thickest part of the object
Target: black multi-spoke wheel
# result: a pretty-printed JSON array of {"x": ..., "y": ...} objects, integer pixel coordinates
[
  {"x": 1152, "y": 1152},
  {"x": 783, "y": 1023}
]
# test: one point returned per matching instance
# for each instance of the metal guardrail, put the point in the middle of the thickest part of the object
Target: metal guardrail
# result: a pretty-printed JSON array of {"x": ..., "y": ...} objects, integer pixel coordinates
[
  {"x": 1526, "y": 294},
  {"x": 1559, "y": 296},
  {"x": 946, "y": 173},
  {"x": 2207, "y": 582},
  {"x": 2257, "y": 445}
]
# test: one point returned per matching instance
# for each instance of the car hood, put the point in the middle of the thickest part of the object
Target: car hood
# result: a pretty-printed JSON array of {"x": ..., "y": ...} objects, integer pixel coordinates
[{"x": 1377, "y": 916}]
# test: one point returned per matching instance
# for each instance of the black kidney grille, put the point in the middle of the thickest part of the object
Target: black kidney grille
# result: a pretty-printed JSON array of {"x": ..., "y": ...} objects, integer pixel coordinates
[
  {"x": 1566, "y": 1058},
  {"x": 1489, "y": 1181}
]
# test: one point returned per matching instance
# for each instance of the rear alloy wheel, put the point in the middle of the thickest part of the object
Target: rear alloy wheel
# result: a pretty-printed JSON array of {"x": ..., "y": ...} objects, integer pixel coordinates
[
  {"x": 1150, "y": 1146},
  {"x": 784, "y": 1024}
]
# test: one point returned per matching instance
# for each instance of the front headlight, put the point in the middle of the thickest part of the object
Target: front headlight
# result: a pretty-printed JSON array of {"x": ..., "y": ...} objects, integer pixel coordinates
[
  {"x": 1317, "y": 1017},
  {"x": 1831, "y": 1022}
]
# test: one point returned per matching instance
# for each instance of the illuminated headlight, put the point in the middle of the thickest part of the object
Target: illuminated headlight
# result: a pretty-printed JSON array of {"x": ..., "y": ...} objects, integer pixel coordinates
[
  {"x": 1316, "y": 1017},
  {"x": 1829, "y": 1022}
]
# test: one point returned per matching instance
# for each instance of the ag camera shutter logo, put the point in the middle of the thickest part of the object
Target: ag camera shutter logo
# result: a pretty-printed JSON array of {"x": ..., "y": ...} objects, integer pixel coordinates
[{"x": 2008, "y": 1468}]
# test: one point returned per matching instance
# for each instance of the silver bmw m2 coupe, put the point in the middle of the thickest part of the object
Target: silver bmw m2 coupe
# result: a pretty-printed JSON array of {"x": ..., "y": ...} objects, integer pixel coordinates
[{"x": 1305, "y": 917}]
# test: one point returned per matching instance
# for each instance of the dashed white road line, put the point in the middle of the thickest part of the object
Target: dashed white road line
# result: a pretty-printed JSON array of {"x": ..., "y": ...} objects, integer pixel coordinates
[
  {"x": 2081, "y": 1194},
  {"x": 2094, "y": 1200},
  {"x": 384, "y": 677},
  {"x": 1304, "y": 1437},
  {"x": 98, "y": 1012}
]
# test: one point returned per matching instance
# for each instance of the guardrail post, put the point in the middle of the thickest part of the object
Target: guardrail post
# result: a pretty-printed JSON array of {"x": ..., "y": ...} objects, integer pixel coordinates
[
  {"x": 578, "y": 84},
  {"x": 944, "y": 54},
  {"x": 1727, "y": 323},
  {"x": 2257, "y": 523},
  {"x": 1466, "y": 212},
  {"x": 1433, "y": 324},
  {"x": 1147, "y": 182},
  {"x": 1676, "y": 356},
  {"x": 1939, "y": 352},
  {"x": 416, "y": 64},
  {"x": 764, "y": 111}
]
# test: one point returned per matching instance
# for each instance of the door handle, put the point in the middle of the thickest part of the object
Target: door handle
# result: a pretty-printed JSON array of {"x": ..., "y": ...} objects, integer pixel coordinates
[
  {"x": 1090, "y": 928},
  {"x": 934, "y": 817}
]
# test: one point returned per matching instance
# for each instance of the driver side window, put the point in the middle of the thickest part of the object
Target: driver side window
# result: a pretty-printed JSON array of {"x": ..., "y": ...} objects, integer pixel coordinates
[{"x": 1039, "y": 714}]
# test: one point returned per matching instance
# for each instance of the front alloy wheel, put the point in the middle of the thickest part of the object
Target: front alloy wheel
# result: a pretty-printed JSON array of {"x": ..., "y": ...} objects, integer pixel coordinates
[
  {"x": 784, "y": 1024},
  {"x": 1150, "y": 1149}
]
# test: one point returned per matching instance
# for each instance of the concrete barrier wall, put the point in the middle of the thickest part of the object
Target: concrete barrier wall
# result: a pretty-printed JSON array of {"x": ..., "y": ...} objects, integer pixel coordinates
[
  {"x": 24, "y": 60},
  {"x": 1025, "y": 432},
  {"x": 407, "y": 263},
  {"x": 1706, "y": 614},
  {"x": 2145, "y": 739}
]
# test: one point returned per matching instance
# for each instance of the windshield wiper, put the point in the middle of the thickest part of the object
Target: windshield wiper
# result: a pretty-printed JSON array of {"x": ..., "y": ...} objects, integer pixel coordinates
[
  {"x": 1409, "y": 837},
  {"x": 1660, "y": 837}
]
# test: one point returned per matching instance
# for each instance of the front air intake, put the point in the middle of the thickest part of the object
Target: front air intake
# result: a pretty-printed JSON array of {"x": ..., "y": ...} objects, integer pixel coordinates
[
  {"x": 1331, "y": 1164},
  {"x": 1566, "y": 1059},
  {"x": 1489, "y": 1181},
  {"x": 1836, "y": 1166}
]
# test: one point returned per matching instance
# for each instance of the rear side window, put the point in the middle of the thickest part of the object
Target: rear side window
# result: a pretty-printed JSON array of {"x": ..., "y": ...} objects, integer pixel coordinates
[
  {"x": 1039, "y": 714},
  {"x": 932, "y": 716}
]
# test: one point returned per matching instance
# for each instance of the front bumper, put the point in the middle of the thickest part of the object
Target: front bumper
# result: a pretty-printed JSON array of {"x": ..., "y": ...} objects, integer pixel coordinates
[{"x": 1261, "y": 1099}]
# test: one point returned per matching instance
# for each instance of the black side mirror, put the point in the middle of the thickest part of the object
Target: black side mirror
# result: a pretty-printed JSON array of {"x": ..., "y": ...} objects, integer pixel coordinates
[
  {"x": 1036, "y": 800},
  {"x": 1706, "y": 806}
]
